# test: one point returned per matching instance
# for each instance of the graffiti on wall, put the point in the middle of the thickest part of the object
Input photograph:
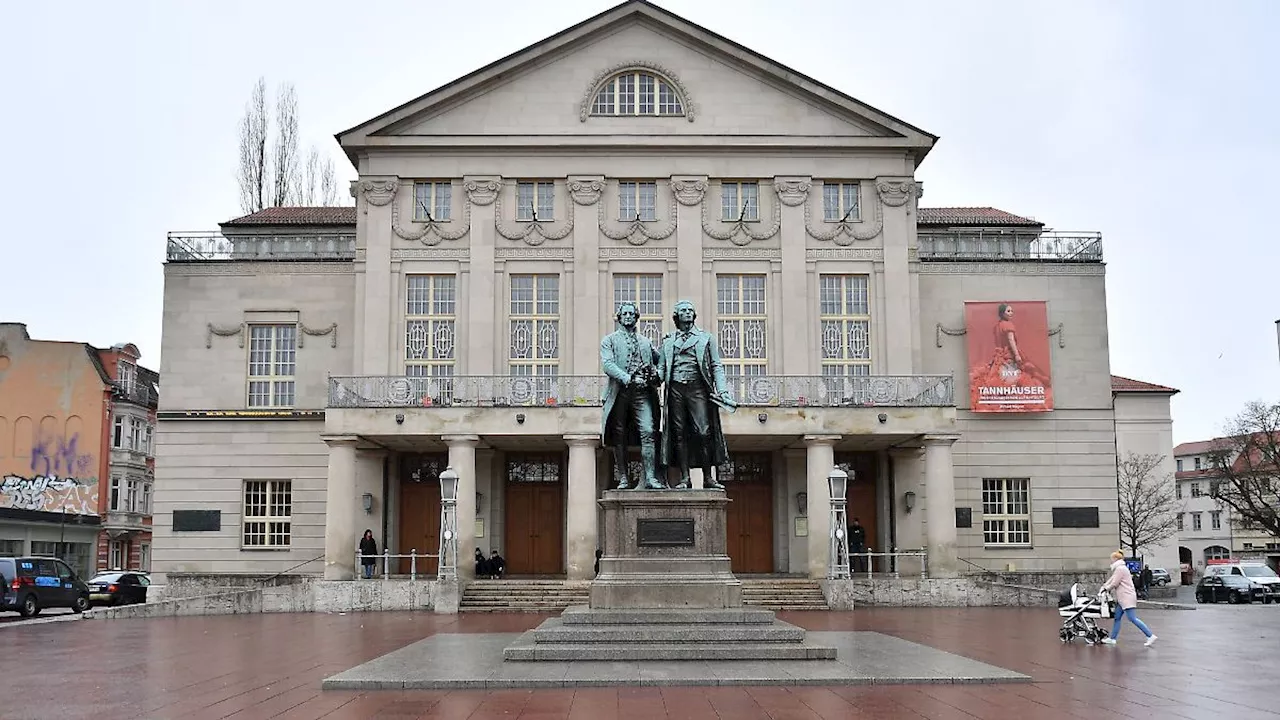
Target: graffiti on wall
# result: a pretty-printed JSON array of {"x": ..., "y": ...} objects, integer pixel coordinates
[
  {"x": 53, "y": 454},
  {"x": 50, "y": 493}
]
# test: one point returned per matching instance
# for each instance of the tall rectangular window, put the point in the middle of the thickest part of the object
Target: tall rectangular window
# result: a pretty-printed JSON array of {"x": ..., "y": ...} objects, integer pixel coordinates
[
  {"x": 1195, "y": 490},
  {"x": 430, "y": 326},
  {"x": 116, "y": 497},
  {"x": 116, "y": 559},
  {"x": 117, "y": 433},
  {"x": 740, "y": 324},
  {"x": 637, "y": 201},
  {"x": 840, "y": 201},
  {"x": 739, "y": 200},
  {"x": 144, "y": 557},
  {"x": 1181, "y": 524},
  {"x": 137, "y": 434},
  {"x": 432, "y": 201},
  {"x": 273, "y": 351},
  {"x": 845, "y": 320},
  {"x": 145, "y": 508},
  {"x": 1215, "y": 519},
  {"x": 534, "y": 339},
  {"x": 1195, "y": 521},
  {"x": 267, "y": 519},
  {"x": 1179, "y": 462},
  {"x": 126, "y": 375},
  {"x": 535, "y": 200},
  {"x": 1006, "y": 511},
  {"x": 131, "y": 495},
  {"x": 646, "y": 292}
]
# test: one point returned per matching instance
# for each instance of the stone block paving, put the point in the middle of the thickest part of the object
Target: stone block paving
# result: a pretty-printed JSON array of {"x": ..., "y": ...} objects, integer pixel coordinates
[{"x": 1217, "y": 662}]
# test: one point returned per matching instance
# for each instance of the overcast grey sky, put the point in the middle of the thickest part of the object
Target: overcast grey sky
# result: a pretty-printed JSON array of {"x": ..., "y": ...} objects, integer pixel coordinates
[{"x": 1153, "y": 122}]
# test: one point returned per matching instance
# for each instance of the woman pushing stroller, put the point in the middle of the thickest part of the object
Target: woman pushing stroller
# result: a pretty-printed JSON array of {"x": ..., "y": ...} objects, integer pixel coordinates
[{"x": 1120, "y": 584}]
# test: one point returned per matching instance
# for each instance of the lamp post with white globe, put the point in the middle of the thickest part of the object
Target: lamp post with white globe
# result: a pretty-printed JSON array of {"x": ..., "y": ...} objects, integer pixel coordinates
[
  {"x": 448, "y": 565},
  {"x": 838, "y": 483}
]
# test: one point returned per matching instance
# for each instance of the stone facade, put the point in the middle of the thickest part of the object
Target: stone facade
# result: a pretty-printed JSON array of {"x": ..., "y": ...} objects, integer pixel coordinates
[{"x": 488, "y": 246}]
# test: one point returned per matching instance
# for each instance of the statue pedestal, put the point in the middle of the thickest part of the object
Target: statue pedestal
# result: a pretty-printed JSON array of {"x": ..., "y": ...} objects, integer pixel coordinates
[{"x": 664, "y": 549}]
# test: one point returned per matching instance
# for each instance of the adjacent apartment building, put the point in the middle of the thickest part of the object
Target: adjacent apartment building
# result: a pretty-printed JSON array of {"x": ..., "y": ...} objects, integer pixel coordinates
[
  {"x": 323, "y": 365},
  {"x": 76, "y": 431},
  {"x": 1208, "y": 530}
]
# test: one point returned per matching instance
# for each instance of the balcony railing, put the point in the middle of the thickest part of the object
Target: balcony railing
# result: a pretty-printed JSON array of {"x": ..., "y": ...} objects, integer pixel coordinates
[
  {"x": 214, "y": 246},
  {"x": 1011, "y": 245},
  {"x": 383, "y": 391},
  {"x": 142, "y": 392}
]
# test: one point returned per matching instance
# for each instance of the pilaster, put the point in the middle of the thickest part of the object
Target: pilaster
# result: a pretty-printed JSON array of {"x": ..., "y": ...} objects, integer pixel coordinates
[
  {"x": 897, "y": 195},
  {"x": 689, "y": 191},
  {"x": 793, "y": 193},
  {"x": 373, "y": 200},
  {"x": 586, "y": 302},
  {"x": 483, "y": 288}
]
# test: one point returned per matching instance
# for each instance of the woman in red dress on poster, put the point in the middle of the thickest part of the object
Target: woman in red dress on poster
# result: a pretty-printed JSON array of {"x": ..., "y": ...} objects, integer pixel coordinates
[{"x": 1007, "y": 366}]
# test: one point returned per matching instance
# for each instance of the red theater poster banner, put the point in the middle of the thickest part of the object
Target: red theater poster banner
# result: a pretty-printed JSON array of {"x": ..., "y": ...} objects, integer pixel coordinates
[{"x": 1008, "y": 357}]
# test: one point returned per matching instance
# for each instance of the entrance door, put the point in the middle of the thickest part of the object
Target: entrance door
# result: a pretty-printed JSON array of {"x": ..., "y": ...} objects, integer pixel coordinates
[
  {"x": 748, "y": 481},
  {"x": 420, "y": 511},
  {"x": 535, "y": 514},
  {"x": 863, "y": 470}
]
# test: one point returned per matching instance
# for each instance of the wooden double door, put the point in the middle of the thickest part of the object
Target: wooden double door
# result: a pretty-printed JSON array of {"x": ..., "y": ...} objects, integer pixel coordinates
[
  {"x": 748, "y": 481},
  {"x": 535, "y": 513},
  {"x": 420, "y": 511}
]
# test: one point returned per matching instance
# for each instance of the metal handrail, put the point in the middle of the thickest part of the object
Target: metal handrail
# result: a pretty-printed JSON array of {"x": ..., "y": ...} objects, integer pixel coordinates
[
  {"x": 385, "y": 556},
  {"x": 295, "y": 567},
  {"x": 891, "y": 559},
  {"x": 981, "y": 570}
]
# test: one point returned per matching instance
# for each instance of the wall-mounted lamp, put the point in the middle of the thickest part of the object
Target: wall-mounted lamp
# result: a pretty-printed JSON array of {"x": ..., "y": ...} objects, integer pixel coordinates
[
  {"x": 367, "y": 499},
  {"x": 479, "y": 501},
  {"x": 802, "y": 503},
  {"x": 908, "y": 500},
  {"x": 519, "y": 418},
  {"x": 762, "y": 417},
  {"x": 883, "y": 418},
  {"x": 399, "y": 418}
]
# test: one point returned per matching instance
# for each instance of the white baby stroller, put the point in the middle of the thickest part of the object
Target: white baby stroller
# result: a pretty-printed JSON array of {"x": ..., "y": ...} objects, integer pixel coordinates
[{"x": 1081, "y": 614}]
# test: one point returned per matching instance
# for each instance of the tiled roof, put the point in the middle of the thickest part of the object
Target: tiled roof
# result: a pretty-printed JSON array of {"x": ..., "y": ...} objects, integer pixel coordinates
[
  {"x": 1199, "y": 447},
  {"x": 984, "y": 216},
  {"x": 1124, "y": 384},
  {"x": 345, "y": 215}
]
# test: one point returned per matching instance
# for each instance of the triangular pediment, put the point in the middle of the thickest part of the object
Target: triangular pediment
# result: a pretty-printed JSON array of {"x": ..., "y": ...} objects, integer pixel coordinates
[{"x": 547, "y": 89}]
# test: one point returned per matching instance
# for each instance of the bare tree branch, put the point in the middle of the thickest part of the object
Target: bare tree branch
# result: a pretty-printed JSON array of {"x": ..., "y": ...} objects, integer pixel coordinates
[
  {"x": 1246, "y": 464},
  {"x": 251, "y": 174},
  {"x": 1149, "y": 506},
  {"x": 286, "y": 146},
  {"x": 328, "y": 184},
  {"x": 308, "y": 178}
]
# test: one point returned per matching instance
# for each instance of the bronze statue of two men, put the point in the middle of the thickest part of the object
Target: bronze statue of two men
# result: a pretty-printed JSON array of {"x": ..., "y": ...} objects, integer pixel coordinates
[{"x": 682, "y": 381}]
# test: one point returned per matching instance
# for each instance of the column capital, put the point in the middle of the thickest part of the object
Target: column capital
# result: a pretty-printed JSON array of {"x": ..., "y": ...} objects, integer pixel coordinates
[
  {"x": 688, "y": 189},
  {"x": 586, "y": 440},
  {"x": 812, "y": 440},
  {"x": 340, "y": 440},
  {"x": 482, "y": 189},
  {"x": 940, "y": 439},
  {"x": 792, "y": 189},
  {"x": 461, "y": 440}
]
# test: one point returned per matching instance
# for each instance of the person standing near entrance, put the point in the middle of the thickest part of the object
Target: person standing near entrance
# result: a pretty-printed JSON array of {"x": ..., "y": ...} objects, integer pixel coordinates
[
  {"x": 1121, "y": 585},
  {"x": 631, "y": 409},
  {"x": 695, "y": 388},
  {"x": 368, "y": 553},
  {"x": 857, "y": 544}
]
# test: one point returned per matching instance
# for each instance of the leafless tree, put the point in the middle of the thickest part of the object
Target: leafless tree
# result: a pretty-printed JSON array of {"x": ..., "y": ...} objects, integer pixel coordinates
[
  {"x": 1246, "y": 467},
  {"x": 308, "y": 178},
  {"x": 1149, "y": 506},
  {"x": 252, "y": 172},
  {"x": 285, "y": 154},
  {"x": 328, "y": 184}
]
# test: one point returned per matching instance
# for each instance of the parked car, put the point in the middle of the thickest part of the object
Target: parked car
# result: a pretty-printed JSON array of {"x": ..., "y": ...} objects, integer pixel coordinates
[
  {"x": 31, "y": 584},
  {"x": 1258, "y": 575},
  {"x": 119, "y": 588},
  {"x": 1232, "y": 588},
  {"x": 1160, "y": 576}
]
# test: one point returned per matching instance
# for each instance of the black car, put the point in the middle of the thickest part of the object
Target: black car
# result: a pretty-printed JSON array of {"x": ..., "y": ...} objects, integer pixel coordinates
[
  {"x": 118, "y": 588},
  {"x": 1232, "y": 588},
  {"x": 31, "y": 584}
]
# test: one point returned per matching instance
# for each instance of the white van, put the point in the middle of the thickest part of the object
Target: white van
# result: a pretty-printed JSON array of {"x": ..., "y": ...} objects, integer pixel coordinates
[{"x": 1259, "y": 575}]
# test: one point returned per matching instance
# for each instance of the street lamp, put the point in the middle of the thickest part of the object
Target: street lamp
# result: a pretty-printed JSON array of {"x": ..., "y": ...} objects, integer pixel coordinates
[
  {"x": 838, "y": 564},
  {"x": 448, "y": 564}
]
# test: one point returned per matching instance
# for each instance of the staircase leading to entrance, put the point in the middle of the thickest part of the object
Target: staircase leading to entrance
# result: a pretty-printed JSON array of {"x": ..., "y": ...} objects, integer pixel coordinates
[
  {"x": 523, "y": 595},
  {"x": 783, "y": 594}
]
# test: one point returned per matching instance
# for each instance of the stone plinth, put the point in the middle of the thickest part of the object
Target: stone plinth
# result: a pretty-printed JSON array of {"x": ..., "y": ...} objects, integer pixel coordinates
[{"x": 664, "y": 549}]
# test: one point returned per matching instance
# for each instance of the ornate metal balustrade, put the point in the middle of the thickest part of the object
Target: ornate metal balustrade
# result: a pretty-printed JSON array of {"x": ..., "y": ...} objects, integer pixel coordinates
[
  {"x": 1011, "y": 245},
  {"x": 382, "y": 391},
  {"x": 212, "y": 246}
]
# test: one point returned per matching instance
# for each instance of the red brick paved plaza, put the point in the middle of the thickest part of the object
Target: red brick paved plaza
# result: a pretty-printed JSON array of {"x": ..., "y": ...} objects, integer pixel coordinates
[{"x": 1216, "y": 662}]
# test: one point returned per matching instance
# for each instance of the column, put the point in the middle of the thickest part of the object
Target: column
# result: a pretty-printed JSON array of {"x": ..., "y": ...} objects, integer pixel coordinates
[
  {"x": 483, "y": 289},
  {"x": 897, "y": 197},
  {"x": 587, "y": 303},
  {"x": 940, "y": 505},
  {"x": 820, "y": 457},
  {"x": 341, "y": 539},
  {"x": 369, "y": 467},
  {"x": 582, "y": 535},
  {"x": 462, "y": 458},
  {"x": 689, "y": 191},
  {"x": 793, "y": 193},
  {"x": 374, "y": 223},
  {"x": 908, "y": 527}
]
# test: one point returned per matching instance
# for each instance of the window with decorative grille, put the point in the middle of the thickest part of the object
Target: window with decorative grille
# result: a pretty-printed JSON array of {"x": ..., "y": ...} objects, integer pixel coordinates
[
  {"x": 845, "y": 325},
  {"x": 646, "y": 292},
  {"x": 740, "y": 324},
  {"x": 535, "y": 330},
  {"x": 430, "y": 348},
  {"x": 273, "y": 353}
]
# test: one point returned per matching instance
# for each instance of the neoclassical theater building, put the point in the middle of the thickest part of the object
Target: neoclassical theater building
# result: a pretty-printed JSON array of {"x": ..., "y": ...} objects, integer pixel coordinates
[{"x": 322, "y": 366}]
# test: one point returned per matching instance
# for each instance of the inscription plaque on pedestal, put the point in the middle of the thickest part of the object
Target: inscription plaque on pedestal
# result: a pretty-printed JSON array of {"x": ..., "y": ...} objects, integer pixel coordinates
[{"x": 664, "y": 532}]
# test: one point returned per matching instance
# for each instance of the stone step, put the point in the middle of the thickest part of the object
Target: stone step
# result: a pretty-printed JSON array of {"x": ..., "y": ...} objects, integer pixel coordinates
[
  {"x": 671, "y": 651},
  {"x": 582, "y": 615},
  {"x": 757, "y": 633}
]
